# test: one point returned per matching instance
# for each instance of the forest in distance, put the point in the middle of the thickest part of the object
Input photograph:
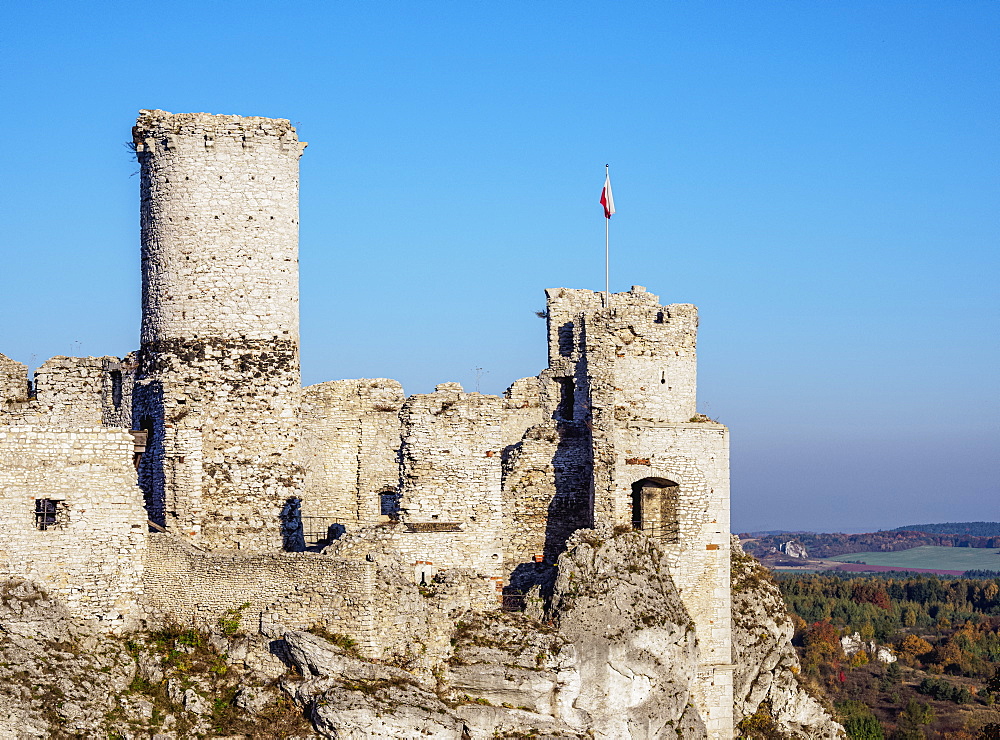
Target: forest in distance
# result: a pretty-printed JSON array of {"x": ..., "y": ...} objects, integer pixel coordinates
[{"x": 944, "y": 632}]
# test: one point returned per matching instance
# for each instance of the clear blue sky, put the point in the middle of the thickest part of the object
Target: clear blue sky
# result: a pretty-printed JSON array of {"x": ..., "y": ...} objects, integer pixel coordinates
[{"x": 821, "y": 178}]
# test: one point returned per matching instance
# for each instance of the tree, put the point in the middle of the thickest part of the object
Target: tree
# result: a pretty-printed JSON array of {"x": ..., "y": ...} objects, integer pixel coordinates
[
  {"x": 994, "y": 683},
  {"x": 915, "y": 714},
  {"x": 990, "y": 732},
  {"x": 869, "y": 592},
  {"x": 822, "y": 645},
  {"x": 915, "y": 646},
  {"x": 859, "y": 721}
]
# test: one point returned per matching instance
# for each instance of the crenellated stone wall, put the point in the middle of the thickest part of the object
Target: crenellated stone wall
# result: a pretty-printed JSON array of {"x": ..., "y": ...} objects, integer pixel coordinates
[{"x": 219, "y": 352}]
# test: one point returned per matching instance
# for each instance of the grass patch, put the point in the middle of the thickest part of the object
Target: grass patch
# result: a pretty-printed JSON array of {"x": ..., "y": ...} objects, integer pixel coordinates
[{"x": 930, "y": 557}]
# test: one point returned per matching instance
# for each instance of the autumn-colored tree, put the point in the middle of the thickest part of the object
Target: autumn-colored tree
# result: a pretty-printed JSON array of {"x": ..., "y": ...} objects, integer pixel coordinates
[
  {"x": 859, "y": 659},
  {"x": 915, "y": 646},
  {"x": 946, "y": 655},
  {"x": 869, "y": 592},
  {"x": 822, "y": 645}
]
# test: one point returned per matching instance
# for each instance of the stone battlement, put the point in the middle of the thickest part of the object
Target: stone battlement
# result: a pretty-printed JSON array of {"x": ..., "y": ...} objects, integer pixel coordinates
[{"x": 157, "y": 127}]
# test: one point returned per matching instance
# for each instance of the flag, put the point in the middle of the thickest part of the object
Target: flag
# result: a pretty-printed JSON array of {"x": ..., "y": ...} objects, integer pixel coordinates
[{"x": 607, "y": 200}]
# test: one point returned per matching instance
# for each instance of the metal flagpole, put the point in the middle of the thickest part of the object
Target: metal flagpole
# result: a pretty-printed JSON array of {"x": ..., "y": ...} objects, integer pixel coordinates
[{"x": 607, "y": 251}]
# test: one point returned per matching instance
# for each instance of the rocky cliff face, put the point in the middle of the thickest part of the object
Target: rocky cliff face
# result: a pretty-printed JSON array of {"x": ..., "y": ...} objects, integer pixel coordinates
[
  {"x": 609, "y": 653},
  {"x": 766, "y": 682},
  {"x": 54, "y": 672}
]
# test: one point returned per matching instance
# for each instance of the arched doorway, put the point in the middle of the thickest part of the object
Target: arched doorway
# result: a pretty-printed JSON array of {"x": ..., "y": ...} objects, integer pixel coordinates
[{"x": 654, "y": 508}]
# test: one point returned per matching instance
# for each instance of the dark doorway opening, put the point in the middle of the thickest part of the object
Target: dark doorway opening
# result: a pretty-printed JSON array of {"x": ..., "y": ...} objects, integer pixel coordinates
[{"x": 654, "y": 508}]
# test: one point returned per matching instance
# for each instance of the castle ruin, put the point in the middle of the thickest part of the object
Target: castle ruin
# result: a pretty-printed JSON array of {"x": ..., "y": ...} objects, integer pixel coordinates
[{"x": 196, "y": 475}]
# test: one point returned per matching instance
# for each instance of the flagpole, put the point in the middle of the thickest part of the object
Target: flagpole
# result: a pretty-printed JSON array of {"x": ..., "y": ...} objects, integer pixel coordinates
[{"x": 607, "y": 250}]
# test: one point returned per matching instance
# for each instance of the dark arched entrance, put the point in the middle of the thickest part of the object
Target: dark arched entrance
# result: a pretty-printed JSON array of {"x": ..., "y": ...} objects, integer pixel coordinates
[{"x": 654, "y": 508}]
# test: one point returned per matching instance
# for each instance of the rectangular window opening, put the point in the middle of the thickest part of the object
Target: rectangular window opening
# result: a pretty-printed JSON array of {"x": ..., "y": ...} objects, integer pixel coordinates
[
  {"x": 567, "y": 398},
  {"x": 48, "y": 514}
]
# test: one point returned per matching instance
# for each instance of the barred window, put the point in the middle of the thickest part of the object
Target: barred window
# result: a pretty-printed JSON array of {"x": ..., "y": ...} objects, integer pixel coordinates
[{"x": 46, "y": 513}]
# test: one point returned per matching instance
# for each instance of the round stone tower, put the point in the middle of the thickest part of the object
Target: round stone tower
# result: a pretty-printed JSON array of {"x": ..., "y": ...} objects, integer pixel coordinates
[{"x": 218, "y": 384}]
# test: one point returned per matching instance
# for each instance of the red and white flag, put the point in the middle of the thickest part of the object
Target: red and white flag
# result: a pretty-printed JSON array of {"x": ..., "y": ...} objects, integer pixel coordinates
[{"x": 606, "y": 198}]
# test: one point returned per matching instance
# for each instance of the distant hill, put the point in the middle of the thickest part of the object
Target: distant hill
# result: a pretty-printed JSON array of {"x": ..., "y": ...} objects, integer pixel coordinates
[
  {"x": 826, "y": 545},
  {"x": 978, "y": 529}
]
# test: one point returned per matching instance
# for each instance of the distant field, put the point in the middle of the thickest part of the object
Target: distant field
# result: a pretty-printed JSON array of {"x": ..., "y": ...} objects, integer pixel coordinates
[{"x": 940, "y": 558}]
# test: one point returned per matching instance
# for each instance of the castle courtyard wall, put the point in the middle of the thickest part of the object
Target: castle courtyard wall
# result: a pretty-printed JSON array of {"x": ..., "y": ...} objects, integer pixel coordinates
[
  {"x": 273, "y": 592},
  {"x": 92, "y": 555},
  {"x": 451, "y": 472}
]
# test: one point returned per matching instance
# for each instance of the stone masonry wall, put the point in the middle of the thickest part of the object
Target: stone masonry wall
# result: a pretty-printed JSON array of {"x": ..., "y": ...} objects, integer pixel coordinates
[
  {"x": 546, "y": 493},
  {"x": 522, "y": 409},
  {"x": 68, "y": 392},
  {"x": 219, "y": 353},
  {"x": 219, "y": 218},
  {"x": 274, "y": 592},
  {"x": 451, "y": 479},
  {"x": 350, "y": 448},
  {"x": 13, "y": 382},
  {"x": 92, "y": 555}
]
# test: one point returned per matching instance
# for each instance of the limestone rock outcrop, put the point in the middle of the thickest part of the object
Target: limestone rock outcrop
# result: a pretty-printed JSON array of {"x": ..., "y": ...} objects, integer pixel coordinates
[
  {"x": 54, "y": 671},
  {"x": 612, "y": 654},
  {"x": 616, "y": 603},
  {"x": 767, "y": 668},
  {"x": 794, "y": 549},
  {"x": 614, "y": 658}
]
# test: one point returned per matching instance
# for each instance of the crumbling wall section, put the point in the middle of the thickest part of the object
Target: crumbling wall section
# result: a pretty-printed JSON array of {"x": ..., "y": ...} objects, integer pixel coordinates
[
  {"x": 271, "y": 591},
  {"x": 13, "y": 383},
  {"x": 118, "y": 380},
  {"x": 87, "y": 541},
  {"x": 522, "y": 409},
  {"x": 350, "y": 448},
  {"x": 451, "y": 504},
  {"x": 546, "y": 493},
  {"x": 68, "y": 392}
]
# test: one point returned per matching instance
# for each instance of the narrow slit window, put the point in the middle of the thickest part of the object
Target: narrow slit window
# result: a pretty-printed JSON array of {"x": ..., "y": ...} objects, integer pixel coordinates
[
  {"x": 567, "y": 398},
  {"x": 116, "y": 388}
]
